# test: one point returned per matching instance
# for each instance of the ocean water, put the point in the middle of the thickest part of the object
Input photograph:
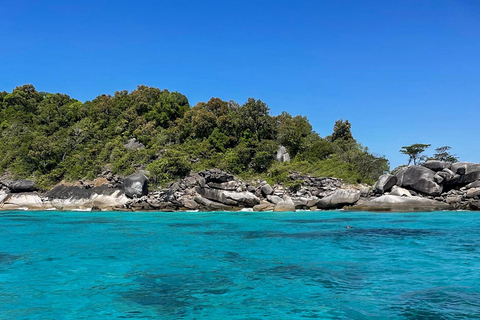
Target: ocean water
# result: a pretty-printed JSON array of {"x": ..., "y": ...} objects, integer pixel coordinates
[{"x": 241, "y": 265}]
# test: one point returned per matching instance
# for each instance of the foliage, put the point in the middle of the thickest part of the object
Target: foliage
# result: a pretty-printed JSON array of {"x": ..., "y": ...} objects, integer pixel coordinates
[
  {"x": 443, "y": 154},
  {"x": 414, "y": 152},
  {"x": 50, "y": 137}
]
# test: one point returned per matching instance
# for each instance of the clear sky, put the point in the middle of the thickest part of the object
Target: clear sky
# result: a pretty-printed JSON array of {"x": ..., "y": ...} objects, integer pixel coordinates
[{"x": 400, "y": 71}]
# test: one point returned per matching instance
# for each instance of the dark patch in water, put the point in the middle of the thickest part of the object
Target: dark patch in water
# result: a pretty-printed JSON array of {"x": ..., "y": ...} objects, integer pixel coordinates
[
  {"x": 338, "y": 280},
  {"x": 354, "y": 232},
  {"x": 197, "y": 224},
  {"x": 332, "y": 220},
  {"x": 6, "y": 258},
  {"x": 404, "y": 221},
  {"x": 441, "y": 303},
  {"x": 176, "y": 294},
  {"x": 94, "y": 221}
]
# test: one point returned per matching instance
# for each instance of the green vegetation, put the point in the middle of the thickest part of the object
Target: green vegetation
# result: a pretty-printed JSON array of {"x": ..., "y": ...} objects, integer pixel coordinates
[
  {"x": 50, "y": 137},
  {"x": 414, "y": 152},
  {"x": 443, "y": 154}
]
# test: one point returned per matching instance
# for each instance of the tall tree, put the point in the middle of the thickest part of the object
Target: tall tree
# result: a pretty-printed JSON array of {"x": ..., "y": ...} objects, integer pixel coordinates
[
  {"x": 414, "y": 152},
  {"x": 342, "y": 131},
  {"x": 443, "y": 154}
]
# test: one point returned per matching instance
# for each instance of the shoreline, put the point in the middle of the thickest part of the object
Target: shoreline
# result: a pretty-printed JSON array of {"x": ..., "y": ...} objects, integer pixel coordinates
[{"x": 412, "y": 189}]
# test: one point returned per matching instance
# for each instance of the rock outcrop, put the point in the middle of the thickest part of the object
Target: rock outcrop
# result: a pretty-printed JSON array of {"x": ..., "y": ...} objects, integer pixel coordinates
[
  {"x": 285, "y": 205},
  {"x": 338, "y": 199},
  {"x": 384, "y": 183},
  {"x": 454, "y": 185},
  {"x": 398, "y": 203},
  {"x": 135, "y": 185},
  {"x": 282, "y": 155},
  {"x": 133, "y": 144},
  {"x": 17, "y": 186},
  {"x": 421, "y": 179}
]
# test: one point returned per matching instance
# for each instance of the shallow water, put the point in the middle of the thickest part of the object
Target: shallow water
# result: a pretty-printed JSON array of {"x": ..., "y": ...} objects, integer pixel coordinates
[{"x": 243, "y": 265}]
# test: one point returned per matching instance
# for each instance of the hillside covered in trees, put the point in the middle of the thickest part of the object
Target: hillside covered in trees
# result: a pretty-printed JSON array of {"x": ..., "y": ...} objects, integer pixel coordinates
[{"x": 52, "y": 137}]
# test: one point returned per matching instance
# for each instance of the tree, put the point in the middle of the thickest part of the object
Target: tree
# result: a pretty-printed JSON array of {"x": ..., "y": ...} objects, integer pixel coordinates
[
  {"x": 414, "y": 152},
  {"x": 443, "y": 154},
  {"x": 341, "y": 131}
]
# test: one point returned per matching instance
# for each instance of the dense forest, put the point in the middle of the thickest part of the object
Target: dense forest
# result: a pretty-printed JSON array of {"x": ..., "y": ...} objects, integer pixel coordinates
[{"x": 52, "y": 137}]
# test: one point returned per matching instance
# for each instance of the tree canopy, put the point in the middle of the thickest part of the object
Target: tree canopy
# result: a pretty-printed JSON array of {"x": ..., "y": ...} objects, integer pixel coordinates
[
  {"x": 414, "y": 152},
  {"x": 51, "y": 137}
]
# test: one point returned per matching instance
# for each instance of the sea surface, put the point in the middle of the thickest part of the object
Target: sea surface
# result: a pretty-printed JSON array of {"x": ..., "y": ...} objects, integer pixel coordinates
[{"x": 240, "y": 265}]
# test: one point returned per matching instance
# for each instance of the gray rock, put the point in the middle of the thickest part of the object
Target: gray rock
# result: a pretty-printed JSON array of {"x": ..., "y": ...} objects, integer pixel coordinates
[
  {"x": 133, "y": 144},
  {"x": 285, "y": 205},
  {"x": 22, "y": 186},
  {"x": 229, "y": 185},
  {"x": 190, "y": 204},
  {"x": 282, "y": 155},
  {"x": 437, "y": 165},
  {"x": 274, "y": 199},
  {"x": 401, "y": 192},
  {"x": 231, "y": 198},
  {"x": 397, "y": 203},
  {"x": 135, "y": 185},
  {"x": 210, "y": 205},
  {"x": 364, "y": 192},
  {"x": 264, "y": 206},
  {"x": 465, "y": 167},
  {"x": 473, "y": 193},
  {"x": 384, "y": 183},
  {"x": 305, "y": 202},
  {"x": 474, "y": 184},
  {"x": 267, "y": 190},
  {"x": 400, "y": 173},
  {"x": 338, "y": 199},
  {"x": 439, "y": 177},
  {"x": 216, "y": 176},
  {"x": 421, "y": 179}
]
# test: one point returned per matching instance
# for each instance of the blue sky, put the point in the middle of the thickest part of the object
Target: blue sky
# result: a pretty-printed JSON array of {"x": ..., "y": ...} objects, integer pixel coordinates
[{"x": 401, "y": 72}]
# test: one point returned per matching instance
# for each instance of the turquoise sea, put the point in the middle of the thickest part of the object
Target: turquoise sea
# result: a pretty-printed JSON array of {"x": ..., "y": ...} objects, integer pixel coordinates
[{"x": 240, "y": 265}]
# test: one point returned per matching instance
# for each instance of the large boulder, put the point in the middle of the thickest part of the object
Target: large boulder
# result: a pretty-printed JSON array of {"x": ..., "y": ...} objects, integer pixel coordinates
[
  {"x": 384, "y": 183},
  {"x": 282, "y": 155},
  {"x": 285, "y": 205},
  {"x": 135, "y": 185},
  {"x": 216, "y": 176},
  {"x": 421, "y": 179},
  {"x": 437, "y": 165},
  {"x": 474, "y": 184},
  {"x": 399, "y": 174},
  {"x": 401, "y": 192},
  {"x": 22, "y": 186},
  {"x": 274, "y": 199},
  {"x": 25, "y": 201},
  {"x": 232, "y": 198},
  {"x": 464, "y": 167},
  {"x": 264, "y": 206},
  {"x": 266, "y": 190},
  {"x": 338, "y": 199},
  {"x": 466, "y": 172},
  {"x": 398, "y": 203},
  {"x": 305, "y": 202}
]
